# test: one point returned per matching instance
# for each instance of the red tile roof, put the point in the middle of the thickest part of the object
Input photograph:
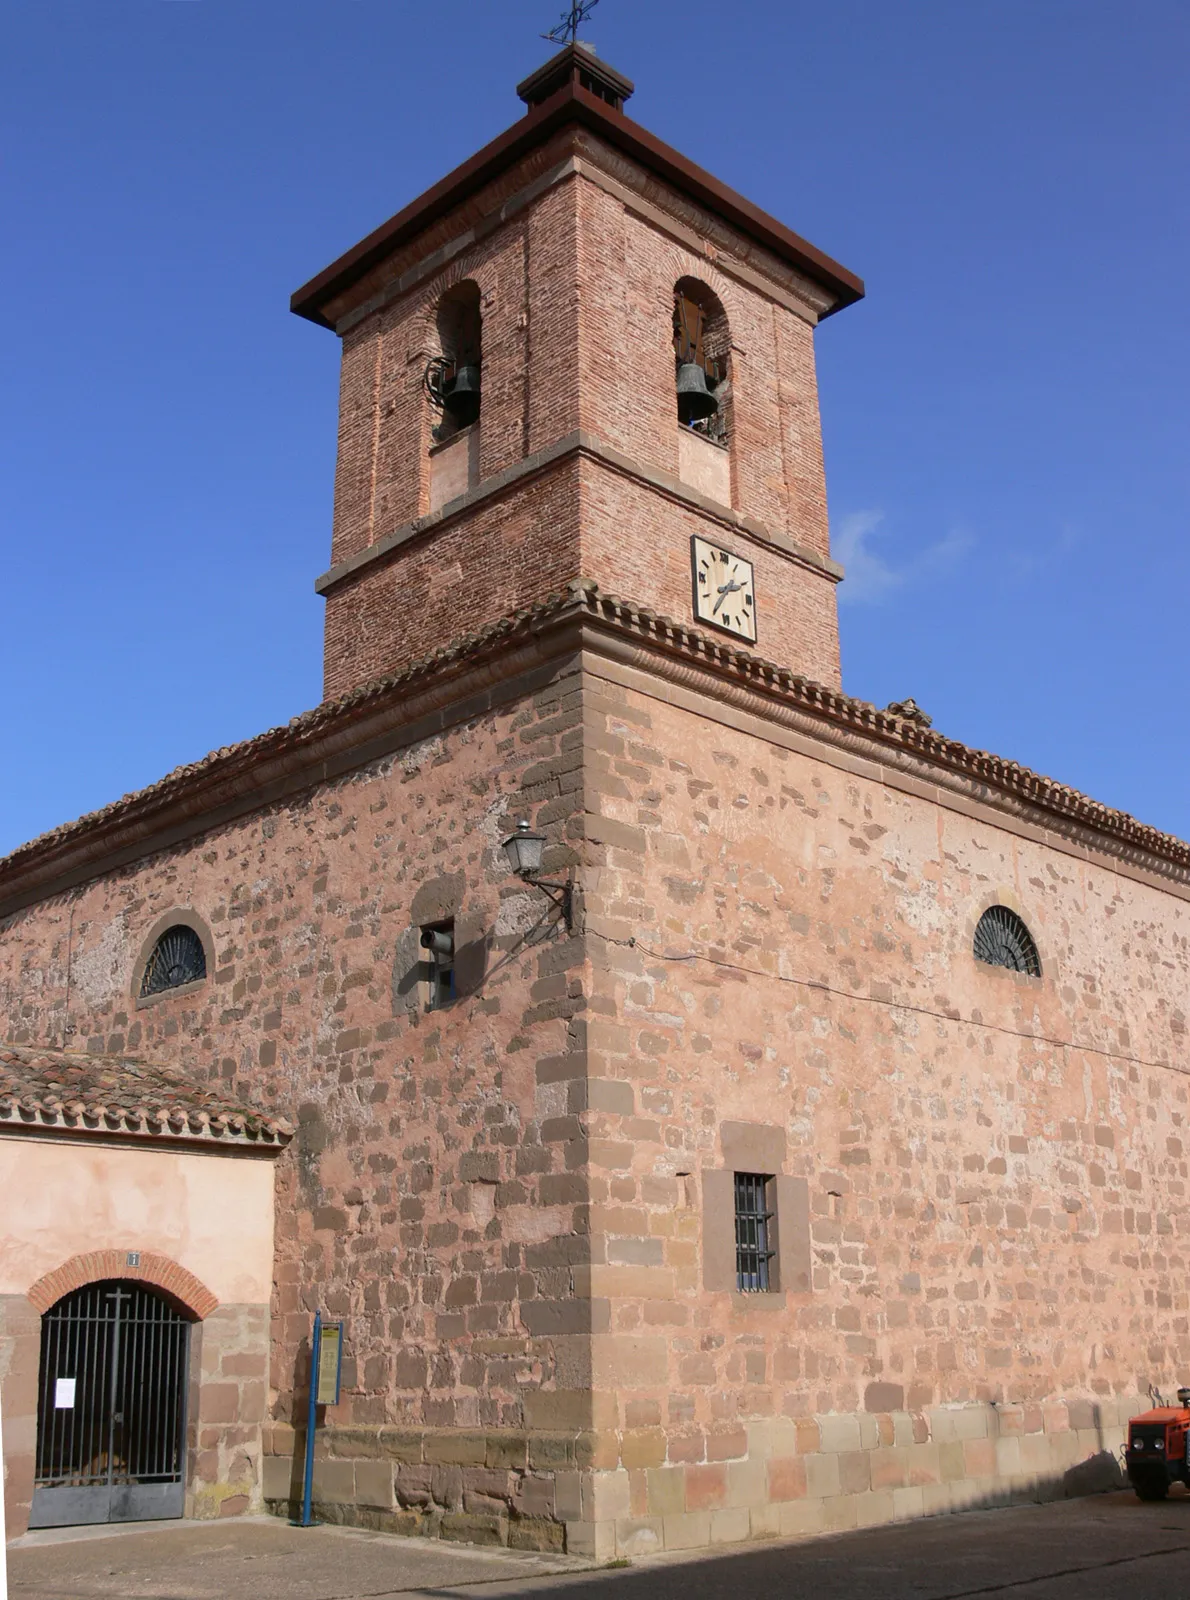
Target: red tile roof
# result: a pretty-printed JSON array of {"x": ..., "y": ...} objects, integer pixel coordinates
[{"x": 44, "y": 1088}]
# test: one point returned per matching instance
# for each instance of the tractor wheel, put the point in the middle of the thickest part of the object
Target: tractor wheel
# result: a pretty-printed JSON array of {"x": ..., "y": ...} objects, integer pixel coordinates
[{"x": 1151, "y": 1485}]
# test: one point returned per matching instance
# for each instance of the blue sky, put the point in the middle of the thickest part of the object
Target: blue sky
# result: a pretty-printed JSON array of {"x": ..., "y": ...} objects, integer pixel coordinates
[{"x": 1005, "y": 415}]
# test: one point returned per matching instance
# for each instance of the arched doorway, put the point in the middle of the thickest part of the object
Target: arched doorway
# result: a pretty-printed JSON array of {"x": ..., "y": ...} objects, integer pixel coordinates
[{"x": 111, "y": 1411}]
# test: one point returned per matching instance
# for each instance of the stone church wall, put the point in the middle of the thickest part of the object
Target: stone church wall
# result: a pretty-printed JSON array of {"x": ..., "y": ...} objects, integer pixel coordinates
[
  {"x": 981, "y": 1177},
  {"x": 521, "y": 1205},
  {"x": 434, "y": 1197}
]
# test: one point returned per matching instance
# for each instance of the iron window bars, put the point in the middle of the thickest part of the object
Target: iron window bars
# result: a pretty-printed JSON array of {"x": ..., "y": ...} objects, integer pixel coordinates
[
  {"x": 752, "y": 1233},
  {"x": 178, "y": 957},
  {"x": 1003, "y": 940}
]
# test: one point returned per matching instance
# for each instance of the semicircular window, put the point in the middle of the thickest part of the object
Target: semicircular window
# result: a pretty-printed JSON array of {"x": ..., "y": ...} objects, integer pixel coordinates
[
  {"x": 1003, "y": 940},
  {"x": 178, "y": 957}
]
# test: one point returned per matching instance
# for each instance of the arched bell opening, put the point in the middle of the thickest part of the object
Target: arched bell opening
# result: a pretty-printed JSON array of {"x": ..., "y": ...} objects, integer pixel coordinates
[
  {"x": 111, "y": 1406},
  {"x": 454, "y": 376},
  {"x": 702, "y": 346}
]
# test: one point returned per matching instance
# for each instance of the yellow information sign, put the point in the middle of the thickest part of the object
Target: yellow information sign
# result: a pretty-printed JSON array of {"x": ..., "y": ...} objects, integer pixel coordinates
[{"x": 330, "y": 1353}]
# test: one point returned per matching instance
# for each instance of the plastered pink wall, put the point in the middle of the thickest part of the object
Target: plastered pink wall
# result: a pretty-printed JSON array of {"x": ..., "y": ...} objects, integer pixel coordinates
[{"x": 211, "y": 1214}]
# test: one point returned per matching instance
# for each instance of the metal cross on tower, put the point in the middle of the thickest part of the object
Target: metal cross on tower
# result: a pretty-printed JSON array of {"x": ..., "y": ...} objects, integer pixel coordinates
[{"x": 567, "y": 30}]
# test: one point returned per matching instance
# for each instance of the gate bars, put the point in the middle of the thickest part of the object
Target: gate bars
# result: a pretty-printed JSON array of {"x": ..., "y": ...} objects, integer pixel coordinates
[{"x": 113, "y": 1378}]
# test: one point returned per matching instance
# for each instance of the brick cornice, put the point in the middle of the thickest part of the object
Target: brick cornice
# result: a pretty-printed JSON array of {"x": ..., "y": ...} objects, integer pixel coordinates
[
  {"x": 98, "y": 1265},
  {"x": 574, "y": 105},
  {"x": 593, "y": 448},
  {"x": 487, "y": 668}
]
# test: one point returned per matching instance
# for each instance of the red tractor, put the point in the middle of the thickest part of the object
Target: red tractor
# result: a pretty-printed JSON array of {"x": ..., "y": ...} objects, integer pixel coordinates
[{"x": 1158, "y": 1450}]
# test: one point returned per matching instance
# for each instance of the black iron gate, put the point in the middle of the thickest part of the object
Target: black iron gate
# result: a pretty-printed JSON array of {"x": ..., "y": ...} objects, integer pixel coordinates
[{"x": 111, "y": 1412}]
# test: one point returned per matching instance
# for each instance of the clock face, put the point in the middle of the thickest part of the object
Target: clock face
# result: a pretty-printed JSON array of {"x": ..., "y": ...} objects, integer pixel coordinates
[{"x": 724, "y": 591}]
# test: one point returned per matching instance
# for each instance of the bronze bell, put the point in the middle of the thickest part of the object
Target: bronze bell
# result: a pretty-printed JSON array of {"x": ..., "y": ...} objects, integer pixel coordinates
[
  {"x": 460, "y": 396},
  {"x": 695, "y": 401}
]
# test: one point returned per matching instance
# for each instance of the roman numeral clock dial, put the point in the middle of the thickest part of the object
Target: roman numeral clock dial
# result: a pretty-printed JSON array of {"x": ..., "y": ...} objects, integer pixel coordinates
[{"x": 724, "y": 589}]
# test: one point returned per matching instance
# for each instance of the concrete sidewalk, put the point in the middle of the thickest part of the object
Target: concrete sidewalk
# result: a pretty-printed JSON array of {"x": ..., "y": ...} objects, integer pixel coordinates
[
  {"x": 260, "y": 1557},
  {"x": 1109, "y": 1547}
]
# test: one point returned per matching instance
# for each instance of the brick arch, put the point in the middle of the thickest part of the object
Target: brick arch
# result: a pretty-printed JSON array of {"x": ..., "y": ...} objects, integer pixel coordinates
[
  {"x": 681, "y": 263},
  {"x": 96, "y": 1265},
  {"x": 472, "y": 266}
]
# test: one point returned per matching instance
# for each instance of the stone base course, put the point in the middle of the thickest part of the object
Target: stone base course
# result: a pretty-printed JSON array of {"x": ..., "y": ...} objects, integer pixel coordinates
[{"x": 821, "y": 1474}]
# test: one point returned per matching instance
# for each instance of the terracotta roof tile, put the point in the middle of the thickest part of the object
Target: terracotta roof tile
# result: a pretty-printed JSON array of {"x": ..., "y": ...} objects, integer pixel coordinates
[
  {"x": 1000, "y": 780},
  {"x": 45, "y": 1088}
]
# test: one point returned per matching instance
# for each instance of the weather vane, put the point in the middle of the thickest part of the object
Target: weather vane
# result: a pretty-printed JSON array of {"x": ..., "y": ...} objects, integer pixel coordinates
[{"x": 567, "y": 30}]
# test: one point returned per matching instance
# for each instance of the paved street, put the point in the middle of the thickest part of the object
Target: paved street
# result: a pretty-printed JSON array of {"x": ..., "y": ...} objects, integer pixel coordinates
[{"x": 1106, "y": 1548}]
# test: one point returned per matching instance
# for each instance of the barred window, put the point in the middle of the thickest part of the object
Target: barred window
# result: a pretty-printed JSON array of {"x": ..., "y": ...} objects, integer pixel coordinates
[
  {"x": 1003, "y": 940},
  {"x": 178, "y": 957},
  {"x": 752, "y": 1232}
]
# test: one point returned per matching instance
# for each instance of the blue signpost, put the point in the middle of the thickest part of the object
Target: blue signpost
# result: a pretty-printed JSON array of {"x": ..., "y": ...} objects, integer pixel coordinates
[
  {"x": 308, "y": 1484},
  {"x": 326, "y": 1375}
]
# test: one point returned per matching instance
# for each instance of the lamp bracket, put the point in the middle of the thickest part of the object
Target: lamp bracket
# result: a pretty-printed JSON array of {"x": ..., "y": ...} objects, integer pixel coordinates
[{"x": 562, "y": 895}]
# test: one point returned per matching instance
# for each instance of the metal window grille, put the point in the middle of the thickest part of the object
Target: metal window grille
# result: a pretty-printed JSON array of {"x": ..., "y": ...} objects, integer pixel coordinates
[
  {"x": 111, "y": 1439},
  {"x": 1003, "y": 940},
  {"x": 752, "y": 1232},
  {"x": 178, "y": 957}
]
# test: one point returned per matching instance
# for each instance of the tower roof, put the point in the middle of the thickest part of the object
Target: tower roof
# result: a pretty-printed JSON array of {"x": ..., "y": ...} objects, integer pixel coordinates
[{"x": 577, "y": 88}]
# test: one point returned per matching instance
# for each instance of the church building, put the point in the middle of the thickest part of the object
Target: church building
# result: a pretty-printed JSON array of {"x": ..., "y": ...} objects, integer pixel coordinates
[{"x": 714, "y": 1108}]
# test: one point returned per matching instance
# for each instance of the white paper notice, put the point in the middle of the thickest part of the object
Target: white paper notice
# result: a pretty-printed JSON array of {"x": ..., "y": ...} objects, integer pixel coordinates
[{"x": 64, "y": 1394}]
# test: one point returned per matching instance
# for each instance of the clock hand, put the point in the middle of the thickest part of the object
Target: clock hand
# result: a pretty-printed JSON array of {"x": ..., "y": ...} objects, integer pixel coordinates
[{"x": 724, "y": 590}]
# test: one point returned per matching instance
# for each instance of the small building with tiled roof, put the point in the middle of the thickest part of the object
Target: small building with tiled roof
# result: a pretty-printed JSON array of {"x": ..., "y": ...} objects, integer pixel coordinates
[
  {"x": 785, "y": 1128},
  {"x": 138, "y": 1217}
]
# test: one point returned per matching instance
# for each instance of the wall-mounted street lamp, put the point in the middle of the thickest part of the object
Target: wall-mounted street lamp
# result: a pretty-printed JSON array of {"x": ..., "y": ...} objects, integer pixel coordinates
[{"x": 524, "y": 851}]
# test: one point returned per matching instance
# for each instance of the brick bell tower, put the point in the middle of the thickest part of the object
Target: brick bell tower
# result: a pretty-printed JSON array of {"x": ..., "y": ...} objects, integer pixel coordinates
[{"x": 578, "y": 356}]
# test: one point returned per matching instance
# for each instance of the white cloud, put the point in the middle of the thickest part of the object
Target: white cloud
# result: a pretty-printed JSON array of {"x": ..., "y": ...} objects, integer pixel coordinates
[{"x": 870, "y": 578}]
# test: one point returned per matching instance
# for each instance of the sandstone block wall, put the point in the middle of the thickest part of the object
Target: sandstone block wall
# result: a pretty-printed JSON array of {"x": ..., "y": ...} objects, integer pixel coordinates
[
  {"x": 844, "y": 1470},
  {"x": 20, "y": 1355},
  {"x": 995, "y": 1166},
  {"x": 435, "y": 1195},
  {"x": 767, "y": 1478},
  {"x": 228, "y": 1409}
]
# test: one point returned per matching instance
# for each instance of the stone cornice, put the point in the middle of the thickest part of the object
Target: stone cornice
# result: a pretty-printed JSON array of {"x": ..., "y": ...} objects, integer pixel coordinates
[
  {"x": 887, "y": 749},
  {"x": 484, "y": 669},
  {"x": 593, "y": 448}
]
